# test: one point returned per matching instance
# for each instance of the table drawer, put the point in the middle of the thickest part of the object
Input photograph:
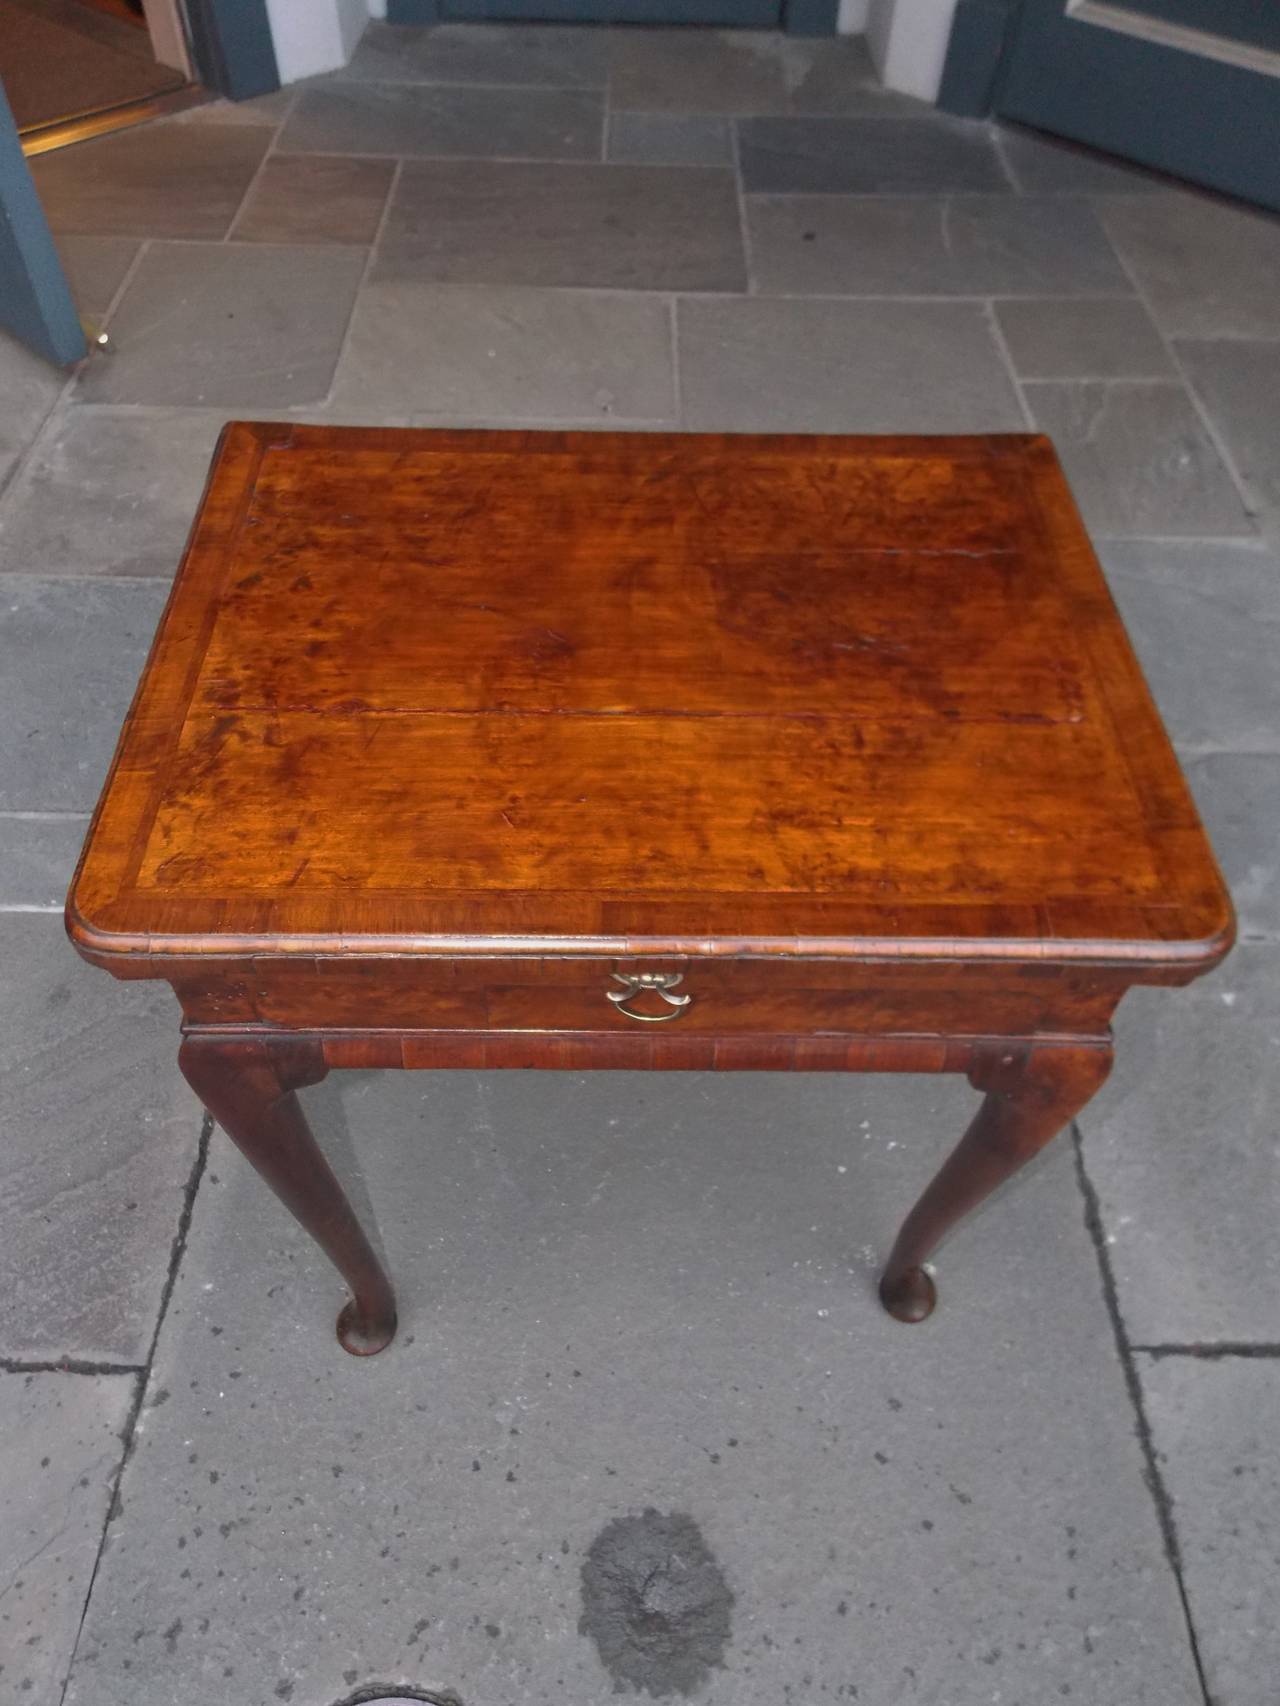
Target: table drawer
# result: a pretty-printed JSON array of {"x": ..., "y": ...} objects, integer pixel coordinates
[{"x": 710, "y": 997}]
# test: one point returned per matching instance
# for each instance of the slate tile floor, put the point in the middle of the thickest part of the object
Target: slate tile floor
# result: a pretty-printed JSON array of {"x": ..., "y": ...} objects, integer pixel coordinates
[{"x": 1064, "y": 1485}]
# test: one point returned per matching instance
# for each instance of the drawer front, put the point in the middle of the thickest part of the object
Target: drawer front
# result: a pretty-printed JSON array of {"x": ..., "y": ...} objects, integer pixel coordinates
[{"x": 707, "y": 997}]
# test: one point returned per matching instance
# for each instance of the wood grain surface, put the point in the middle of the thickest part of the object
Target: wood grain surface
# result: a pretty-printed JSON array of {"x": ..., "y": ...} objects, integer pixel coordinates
[{"x": 433, "y": 691}]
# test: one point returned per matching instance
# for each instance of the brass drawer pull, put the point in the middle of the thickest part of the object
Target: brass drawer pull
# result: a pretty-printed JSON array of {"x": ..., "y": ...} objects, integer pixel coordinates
[{"x": 661, "y": 982}]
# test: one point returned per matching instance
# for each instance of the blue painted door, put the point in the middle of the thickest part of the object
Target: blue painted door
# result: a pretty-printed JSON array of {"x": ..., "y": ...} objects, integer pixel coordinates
[
  {"x": 35, "y": 298},
  {"x": 1191, "y": 87}
]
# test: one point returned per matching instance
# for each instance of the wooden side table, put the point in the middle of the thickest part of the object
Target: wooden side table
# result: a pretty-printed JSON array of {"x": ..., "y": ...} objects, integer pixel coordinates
[{"x": 604, "y": 750}]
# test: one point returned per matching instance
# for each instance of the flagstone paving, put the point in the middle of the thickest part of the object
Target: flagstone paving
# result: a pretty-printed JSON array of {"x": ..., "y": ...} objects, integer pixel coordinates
[{"x": 636, "y": 1308}]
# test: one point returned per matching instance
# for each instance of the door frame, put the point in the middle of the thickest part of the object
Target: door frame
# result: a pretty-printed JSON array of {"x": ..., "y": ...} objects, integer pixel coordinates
[
  {"x": 38, "y": 309},
  {"x": 980, "y": 32},
  {"x": 167, "y": 30},
  {"x": 799, "y": 17},
  {"x": 231, "y": 47}
]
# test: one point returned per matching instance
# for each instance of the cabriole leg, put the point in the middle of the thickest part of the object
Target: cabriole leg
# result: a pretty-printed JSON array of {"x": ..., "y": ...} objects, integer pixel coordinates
[
  {"x": 1032, "y": 1091},
  {"x": 248, "y": 1086}
]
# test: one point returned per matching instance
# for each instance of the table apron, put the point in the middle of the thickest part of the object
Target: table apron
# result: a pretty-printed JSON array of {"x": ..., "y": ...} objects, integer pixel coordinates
[
  {"x": 708, "y": 999},
  {"x": 585, "y": 1051}
]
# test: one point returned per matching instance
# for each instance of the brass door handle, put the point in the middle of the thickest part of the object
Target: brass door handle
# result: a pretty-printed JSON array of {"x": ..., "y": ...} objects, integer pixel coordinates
[{"x": 661, "y": 982}]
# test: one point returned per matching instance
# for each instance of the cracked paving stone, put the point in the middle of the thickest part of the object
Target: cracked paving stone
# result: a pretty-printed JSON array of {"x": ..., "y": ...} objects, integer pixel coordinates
[
  {"x": 1213, "y": 1423},
  {"x": 1180, "y": 1145},
  {"x": 1239, "y": 383},
  {"x": 1138, "y": 458},
  {"x": 37, "y": 858},
  {"x": 1204, "y": 617},
  {"x": 1206, "y": 266},
  {"x": 60, "y": 1448},
  {"x": 1238, "y": 796},
  {"x": 108, "y": 493},
  {"x": 930, "y": 246},
  {"x": 29, "y": 388},
  {"x": 760, "y": 364},
  {"x": 241, "y": 326},
  {"x": 98, "y": 1135},
  {"x": 70, "y": 655}
]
